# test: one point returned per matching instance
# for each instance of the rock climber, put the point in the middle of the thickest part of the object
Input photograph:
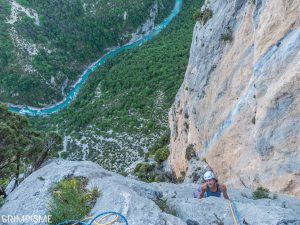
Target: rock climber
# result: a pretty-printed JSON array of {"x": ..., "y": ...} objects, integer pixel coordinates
[{"x": 211, "y": 187}]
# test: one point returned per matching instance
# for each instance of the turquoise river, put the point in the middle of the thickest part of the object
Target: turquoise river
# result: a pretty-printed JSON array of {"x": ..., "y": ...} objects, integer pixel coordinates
[{"x": 83, "y": 78}]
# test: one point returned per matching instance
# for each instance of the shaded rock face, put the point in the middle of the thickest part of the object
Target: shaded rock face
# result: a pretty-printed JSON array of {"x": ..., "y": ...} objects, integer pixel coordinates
[
  {"x": 136, "y": 200},
  {"x": 239, "y": 104}
]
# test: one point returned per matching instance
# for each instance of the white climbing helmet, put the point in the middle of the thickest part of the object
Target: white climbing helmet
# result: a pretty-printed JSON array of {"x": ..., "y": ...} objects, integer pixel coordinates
[{"x": 209, "y": 175}]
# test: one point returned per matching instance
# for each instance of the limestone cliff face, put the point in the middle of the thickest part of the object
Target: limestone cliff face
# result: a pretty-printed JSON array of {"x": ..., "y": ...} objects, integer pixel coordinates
[{"x": 239, "y": 104}]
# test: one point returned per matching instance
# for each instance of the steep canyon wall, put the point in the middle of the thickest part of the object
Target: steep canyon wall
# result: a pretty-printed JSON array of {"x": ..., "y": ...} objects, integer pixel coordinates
[{"x": 239, "y": 104}]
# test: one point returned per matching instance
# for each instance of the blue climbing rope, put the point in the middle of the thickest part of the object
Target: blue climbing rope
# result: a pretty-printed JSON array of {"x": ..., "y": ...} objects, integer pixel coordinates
[
  {"x": 110, "y": 212},
  {"x": 96, "y": 217},
  {"x": 236, "y": 213}
]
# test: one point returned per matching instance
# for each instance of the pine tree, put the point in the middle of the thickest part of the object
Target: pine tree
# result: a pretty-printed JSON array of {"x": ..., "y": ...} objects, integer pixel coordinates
[{"x": 21, "y": 146}]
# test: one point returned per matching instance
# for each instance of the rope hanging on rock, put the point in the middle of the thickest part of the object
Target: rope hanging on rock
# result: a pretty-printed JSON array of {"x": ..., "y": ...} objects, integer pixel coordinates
[
  {"x": 235, "y": 213},
  {"x": 94, "y": 221}
]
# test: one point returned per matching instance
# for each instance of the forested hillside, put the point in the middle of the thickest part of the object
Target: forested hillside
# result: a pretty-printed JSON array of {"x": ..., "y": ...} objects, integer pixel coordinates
[
  {"x": 122, "y": 109},
  {"x": 22, "y": 148},
  {"x": 46, "y": 45}
]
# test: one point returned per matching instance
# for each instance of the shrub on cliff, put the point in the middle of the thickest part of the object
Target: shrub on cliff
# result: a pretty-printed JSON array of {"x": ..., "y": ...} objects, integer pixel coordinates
[
  {"x": 163, "y": 205},
  {"x": 150, "y": 173},
  {"x": 260, "y": 192},
  {"x": 161, "y": 143},
  {"x": 145, "y": 172},
  {"x": 204, "y": 15},
  {"x": 227, "y": 36},
  {"x": 70, "y": 200},
  {"x": 190, "y": 152},
  {"x": 161, "y": 154}
]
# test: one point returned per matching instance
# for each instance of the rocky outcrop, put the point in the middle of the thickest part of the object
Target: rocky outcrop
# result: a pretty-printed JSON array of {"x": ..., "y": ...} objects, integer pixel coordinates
[
  {"x": 239, "y": 104},
  {"x": 136, "y": 200},
  {"x": 146, "y": 27}
]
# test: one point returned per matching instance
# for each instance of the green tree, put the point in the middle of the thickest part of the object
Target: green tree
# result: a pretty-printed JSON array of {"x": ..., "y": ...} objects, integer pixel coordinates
[
  {"x": 161, "y": 154},
  {"x": 21, "y": 146}
]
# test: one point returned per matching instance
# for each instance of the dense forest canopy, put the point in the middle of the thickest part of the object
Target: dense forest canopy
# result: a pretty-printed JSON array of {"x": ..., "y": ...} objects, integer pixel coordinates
[
  {"x": 46, "y": 45},
  {"x": 126, "y": 101}
]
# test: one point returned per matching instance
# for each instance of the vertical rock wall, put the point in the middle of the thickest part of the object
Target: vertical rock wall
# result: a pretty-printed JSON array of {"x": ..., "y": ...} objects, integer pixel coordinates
[{"x": 239, "y": 104}]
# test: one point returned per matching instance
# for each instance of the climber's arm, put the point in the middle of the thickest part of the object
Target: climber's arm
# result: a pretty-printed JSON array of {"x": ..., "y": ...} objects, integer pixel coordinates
[
  {"x": 203, "y": 190},
  {"x": 224, "y": 191}
]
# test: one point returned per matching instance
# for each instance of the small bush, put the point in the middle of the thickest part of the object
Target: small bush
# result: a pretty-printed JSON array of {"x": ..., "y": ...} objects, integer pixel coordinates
[
  {"x": 145, "y": 172},
  {"x": 227, "y": 36},
  {"x": 150, "y": 173},
  {"x": 203, "y": 16},
  {"x": 197, "y": 14},
  {"x": 70, "y": 200},
  {"x": 162, "y": 204},
  {"x": 163, "y": 141},
  {"x": 260, "y": 193},
  {"x": 144, "y": 167},
  {"x": 161, "y": 154},
  {"x": 93, "y": 195},
  {"x": 190, "y": 152}
]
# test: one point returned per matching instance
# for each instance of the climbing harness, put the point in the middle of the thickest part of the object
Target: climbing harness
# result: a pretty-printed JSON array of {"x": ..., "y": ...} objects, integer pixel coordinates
[
  {"x": 96, "y": 221},
  {"x": 235, "y": 213}
]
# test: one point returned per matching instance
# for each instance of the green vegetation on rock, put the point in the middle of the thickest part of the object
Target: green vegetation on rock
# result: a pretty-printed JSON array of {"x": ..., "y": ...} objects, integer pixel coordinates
[
  {"x": 190, "y": 152},
  {"x": 204, "y": 15},
  {"x": 145, "y": 172},
  {"x": 21, "y": 146},
  {"x": 163, "y": 205},
  {"x": 71, "y": 200},
  {"x": 161, "y": 142},
  {"x": 161, "y": 154},
  {"x": 227, "y": 37},
  {"x": 260, "y": 192},
  {"x": 150, "y": 172}
]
